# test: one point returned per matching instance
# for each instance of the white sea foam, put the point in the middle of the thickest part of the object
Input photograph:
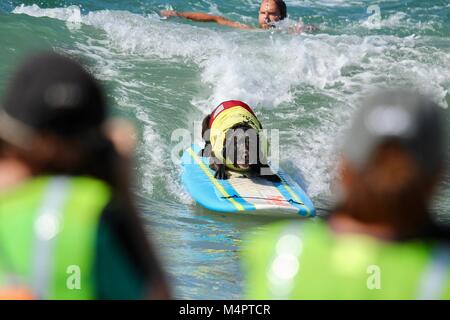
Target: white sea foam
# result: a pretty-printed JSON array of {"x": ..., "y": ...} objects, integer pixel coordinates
[
  {"x": 396, "y": 20},
  {"x": 71, "y": 14},
  {"x": 324, "y": 3}
]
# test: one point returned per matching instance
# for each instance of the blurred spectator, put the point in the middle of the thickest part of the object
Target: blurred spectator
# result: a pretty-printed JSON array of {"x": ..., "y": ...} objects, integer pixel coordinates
[
  {"x": 381, "y": 241},
  {"x": 68, "y": 227}
]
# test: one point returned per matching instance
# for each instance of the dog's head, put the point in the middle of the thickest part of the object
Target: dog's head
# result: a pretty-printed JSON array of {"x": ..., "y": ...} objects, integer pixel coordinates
[{"x": 241, "y": 148}]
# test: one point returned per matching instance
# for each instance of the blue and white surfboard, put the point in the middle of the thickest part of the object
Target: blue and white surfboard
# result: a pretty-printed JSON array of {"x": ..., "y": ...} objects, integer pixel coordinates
[{"x": 240, "y": 194}]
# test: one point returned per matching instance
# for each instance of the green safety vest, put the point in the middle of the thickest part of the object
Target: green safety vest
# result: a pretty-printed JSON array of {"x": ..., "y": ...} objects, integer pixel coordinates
[
  {"x": 48, "y": 229},
  {"x": 308, "y": 261}
]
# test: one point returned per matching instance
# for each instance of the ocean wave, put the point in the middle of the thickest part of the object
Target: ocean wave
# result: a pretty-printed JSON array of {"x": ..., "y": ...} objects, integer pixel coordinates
[{"x": 268, "y": 70}]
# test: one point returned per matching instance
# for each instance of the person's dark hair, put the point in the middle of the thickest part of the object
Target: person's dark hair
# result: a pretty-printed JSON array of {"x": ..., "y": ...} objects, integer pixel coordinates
[
  {"x": 52, "y": 115},
  {"x": 283, "y": 9}
]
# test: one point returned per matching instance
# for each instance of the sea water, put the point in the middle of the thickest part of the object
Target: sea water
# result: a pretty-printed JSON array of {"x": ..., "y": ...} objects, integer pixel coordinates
[{"x": 167, "y": 74}]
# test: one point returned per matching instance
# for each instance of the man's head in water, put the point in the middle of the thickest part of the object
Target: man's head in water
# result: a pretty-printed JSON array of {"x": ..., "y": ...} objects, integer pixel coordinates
[{"x": 271, "y": 11}]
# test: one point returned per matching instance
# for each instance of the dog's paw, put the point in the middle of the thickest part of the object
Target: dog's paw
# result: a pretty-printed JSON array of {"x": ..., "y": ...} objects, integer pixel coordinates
[
  {"x": 273, "y": 178},
  {"x": 221, "y": 173},
  {"x": 266, "y": 172}
]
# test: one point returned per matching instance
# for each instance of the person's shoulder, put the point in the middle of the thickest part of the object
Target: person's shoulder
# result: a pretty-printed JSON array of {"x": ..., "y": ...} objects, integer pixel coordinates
[
  {"x": 262, "y": 246},
  {"x": 88, "y": 183},
  {"x": 277, "y": 229},
  {"x": 23, "y": 187},
  {"x": 88, "y": 192},
  {"x": 264, "y": 239}
]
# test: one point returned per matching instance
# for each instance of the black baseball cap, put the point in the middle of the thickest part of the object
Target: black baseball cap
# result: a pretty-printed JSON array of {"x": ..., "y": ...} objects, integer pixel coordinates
[{"x": 52, "y": 93}]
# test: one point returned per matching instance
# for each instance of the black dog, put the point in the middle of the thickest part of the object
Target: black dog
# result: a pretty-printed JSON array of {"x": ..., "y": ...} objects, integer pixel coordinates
[{"x": 240, "y": 151}]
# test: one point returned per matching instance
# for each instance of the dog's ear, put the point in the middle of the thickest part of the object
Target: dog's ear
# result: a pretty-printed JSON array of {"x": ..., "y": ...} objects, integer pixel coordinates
[
  {"x": 205, "y": 128},
  {"x": 224, "y": 149},
  {"x": 261, "y": 153},
  {"x": 206, "y": 151},
  {"x": 229, "y": 143},
  {"x": 206, "y": 136}
]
